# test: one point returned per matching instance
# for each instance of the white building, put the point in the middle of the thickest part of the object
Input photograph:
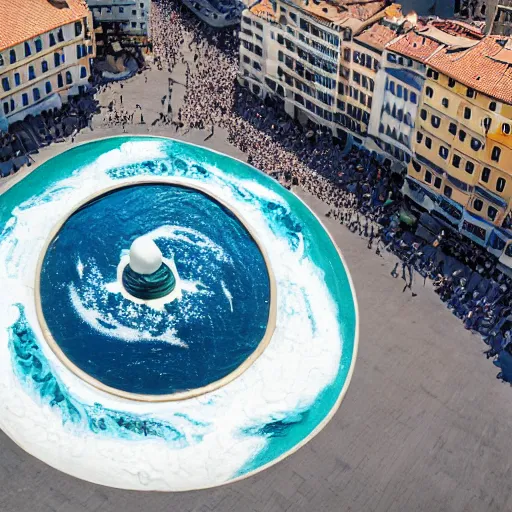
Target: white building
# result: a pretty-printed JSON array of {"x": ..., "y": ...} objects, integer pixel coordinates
[
  {"x": 293, "y": 51},
  {"x": 132, "y": 16},
  {"x": 46, "y": 48}
]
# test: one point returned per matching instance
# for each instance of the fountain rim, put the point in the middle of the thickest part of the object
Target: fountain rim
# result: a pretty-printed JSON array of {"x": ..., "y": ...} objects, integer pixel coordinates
[{"x": 168, "y": 397}]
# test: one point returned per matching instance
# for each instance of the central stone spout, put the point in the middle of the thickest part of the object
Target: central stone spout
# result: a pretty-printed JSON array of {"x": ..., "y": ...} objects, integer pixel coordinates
[{"x": 146, "y": 276}]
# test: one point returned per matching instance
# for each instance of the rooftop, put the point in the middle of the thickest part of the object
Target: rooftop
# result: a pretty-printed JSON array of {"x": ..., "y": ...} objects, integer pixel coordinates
[
  {"x": 24, "y": 19},
  {"x": 484, "y": 67},
  {"x": 377, "y": 36},
  {"x": 415, "y": 45}
]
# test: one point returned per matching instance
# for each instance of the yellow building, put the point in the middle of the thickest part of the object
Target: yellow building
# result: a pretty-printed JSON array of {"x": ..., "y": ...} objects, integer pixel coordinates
[{"x": 463, "y": 139}]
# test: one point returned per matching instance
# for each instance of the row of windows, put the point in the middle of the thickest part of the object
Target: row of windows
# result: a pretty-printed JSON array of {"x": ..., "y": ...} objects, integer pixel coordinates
[
  {"x": 10, "y": 106},
  {"x": 57, "y": 59},
  {"x": 318, "y": 62},
  {"x": 347, "y": 122},
  {"x": 120, "y": 10},
  {"x": 255, "y": 64},
  {"x": 332, "y": 54},
  {"x": 400, "y": 91},
  {"x": 398, "y": 59},
  {"x": 398, "y": 113},
  {"x": 361, "y": 58},
  {"x": 363, "y": 80},
  {"x": 38, "y": 44},
  {"x": 253, "y": 48},
  {"x": 314, "y": 77},
  {"x": 394, "y": 134},
  {"x": 317, "y": 32},
  {"x": 360, "y": 96}
]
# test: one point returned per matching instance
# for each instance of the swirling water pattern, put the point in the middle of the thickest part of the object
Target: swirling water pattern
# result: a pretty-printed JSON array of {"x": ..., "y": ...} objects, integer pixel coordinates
[
  {"x": 253, "y": 421},
  {"x": 215, "y": 324}
]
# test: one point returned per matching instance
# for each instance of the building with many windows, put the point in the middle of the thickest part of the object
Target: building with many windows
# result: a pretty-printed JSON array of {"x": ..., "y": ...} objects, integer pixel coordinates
[
  {"x": 463, "y": 140},
  {"x": 292, "y": 51},
  {"x": 360, "y": 63},
  {"x": 131, "y": 17},
  {"x": 400, "y": 80},
  {"x": 46, "y": 47}
]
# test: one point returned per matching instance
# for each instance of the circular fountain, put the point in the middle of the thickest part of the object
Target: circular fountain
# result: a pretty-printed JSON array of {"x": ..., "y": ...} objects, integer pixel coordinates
[{"x": 188, "y": 323}]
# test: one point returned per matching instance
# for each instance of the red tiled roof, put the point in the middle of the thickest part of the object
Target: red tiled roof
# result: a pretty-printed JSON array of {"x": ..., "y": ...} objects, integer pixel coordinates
[
  {"x": 475, "y": 67},
  {"x": 364, "y": 11},
  {"x": 24, "y": 19},
  {"x": 415, "y": 46},
  {"x": 377, "y": 36},
  {"x": 458, "y": 28}
]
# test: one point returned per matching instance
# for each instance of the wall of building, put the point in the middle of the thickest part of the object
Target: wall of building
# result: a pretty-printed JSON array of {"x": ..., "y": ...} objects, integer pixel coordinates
[
  {"x": 57, "y": 62},
  {"x": 133, "y": 16}
]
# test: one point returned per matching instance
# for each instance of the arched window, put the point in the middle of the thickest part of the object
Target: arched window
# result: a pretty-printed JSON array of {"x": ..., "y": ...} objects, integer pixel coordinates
[
  {"x": 39, "y": 45},
  {"x": 12, "y": 56},
  {"x": 69, "y": 78},
  {"x": 36, "y": 94}
]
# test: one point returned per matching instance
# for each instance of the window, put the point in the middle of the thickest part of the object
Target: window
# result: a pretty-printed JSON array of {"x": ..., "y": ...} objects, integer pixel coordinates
[
  {"x": 12, "y": 56},
  {"x": 456, "y": 161},
  {"x": 36, "y": 94},
  {"x": 492, "y": 106},
  {"x": 470, "y": 93},
  {"x": 392, "y": 58},
  {"x": 428, "y": 176},
  {"x": 451, "y": 82},
  {"x": 492, "y": 212},
  {"x": 478, "y": 204},
  {"x": 423, "y": 114},
  {"x": 462, "y": 135},
  {"x": 399, "y": 90},
  {"x": 436, "y": 121},
  {"x": 24, "y": 99},
  {"x": 6, "y": 108},
  {"x": 69, "y": 78},
  {"x": 429, "y": 92},
  {"x": 83, "y": 72},
  {"x": 476, "y": 144},
  {"x": 246, "y": 59},
  {"x": 452, "y": 128},
  {"x": 258, "y": 51},
  {"x": 78, "y": 24},
  {"x": 416, "y": 166},
  {"x": 487, "y": 123},
  {"x": 39, "y": 45},
  {"x": 293, "y": 16},
  {"x": 443, "y": 152},
  {"x": 346, "y": 54},
  {"x": 437, "y": 182},
  {"x": 56, "y": 60},
  {"x": 428, "y": 142},
  {"x": 486, "y": 174},
  {"x": 1, "y": 61},
  {"x": 445, "y": 102},
  {"x": 413, "y": 97},
  {"x": 17, "y": 79},
  {"x": 419, "y": 137},
  {"x": 60, "y": 35},
  {"x": 52, "y": 39},
  {"x": 28, "y": 51},
  {"x": 134, "y": 24},
  {"x": 448, "y": 191},
  {"x": 44, "y": 66},
  {"x": 60, "y": 81},
  {"x": 505, "y": 128},
  {"x": 495, "y": 155},
  {"x": 467, "y": 113},
  {"x": 6, "y": 86},
  {"x": 392, "y": 87},
  {"x": 500, "y": 184},
  {"x": 48, "y": 87},
  {"x": 470, "y": 167},
  {"x": 357, "y": 77}
]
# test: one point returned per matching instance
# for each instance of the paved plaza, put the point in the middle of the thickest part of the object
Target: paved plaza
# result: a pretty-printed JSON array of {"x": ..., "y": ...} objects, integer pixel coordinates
[{"x": 424, "y": 426}]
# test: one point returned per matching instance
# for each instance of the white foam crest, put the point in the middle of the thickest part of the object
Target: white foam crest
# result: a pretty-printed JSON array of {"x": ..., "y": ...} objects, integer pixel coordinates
[
  {"x": 184, "y": 234},
  {"x": 94, "y": 318},
  {"x": 228, "y": 295}
]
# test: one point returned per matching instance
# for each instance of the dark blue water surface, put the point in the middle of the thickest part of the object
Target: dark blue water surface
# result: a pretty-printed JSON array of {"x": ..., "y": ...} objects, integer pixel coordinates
[{"x": 195, "y": 340}]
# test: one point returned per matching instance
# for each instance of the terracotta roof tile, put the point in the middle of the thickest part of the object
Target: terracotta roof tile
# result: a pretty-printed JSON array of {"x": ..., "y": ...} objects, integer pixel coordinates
[
  {"x": 477, "y": 67},
  {"x": 24, "y": 19},
  {"x": 264, "y": 10},
  {"x": 377, "y": 36},
  {"x": 414, "y": 45}
]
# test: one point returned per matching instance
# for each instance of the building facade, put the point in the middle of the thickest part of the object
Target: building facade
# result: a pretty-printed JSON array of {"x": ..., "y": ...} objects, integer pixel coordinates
[
  {"x": 463, "y": 140},
  {"x": 294, "y": 52},
  {"x": 132, "y": 17},
  {"x": 45, "y": 55},
  {"x": 499, "y": 17}
]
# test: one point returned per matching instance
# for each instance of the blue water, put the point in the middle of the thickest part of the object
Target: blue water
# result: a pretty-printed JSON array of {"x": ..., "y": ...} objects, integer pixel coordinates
[
  {"x": 196, "y": 339},
  {"x": 290, "y": 221}
]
